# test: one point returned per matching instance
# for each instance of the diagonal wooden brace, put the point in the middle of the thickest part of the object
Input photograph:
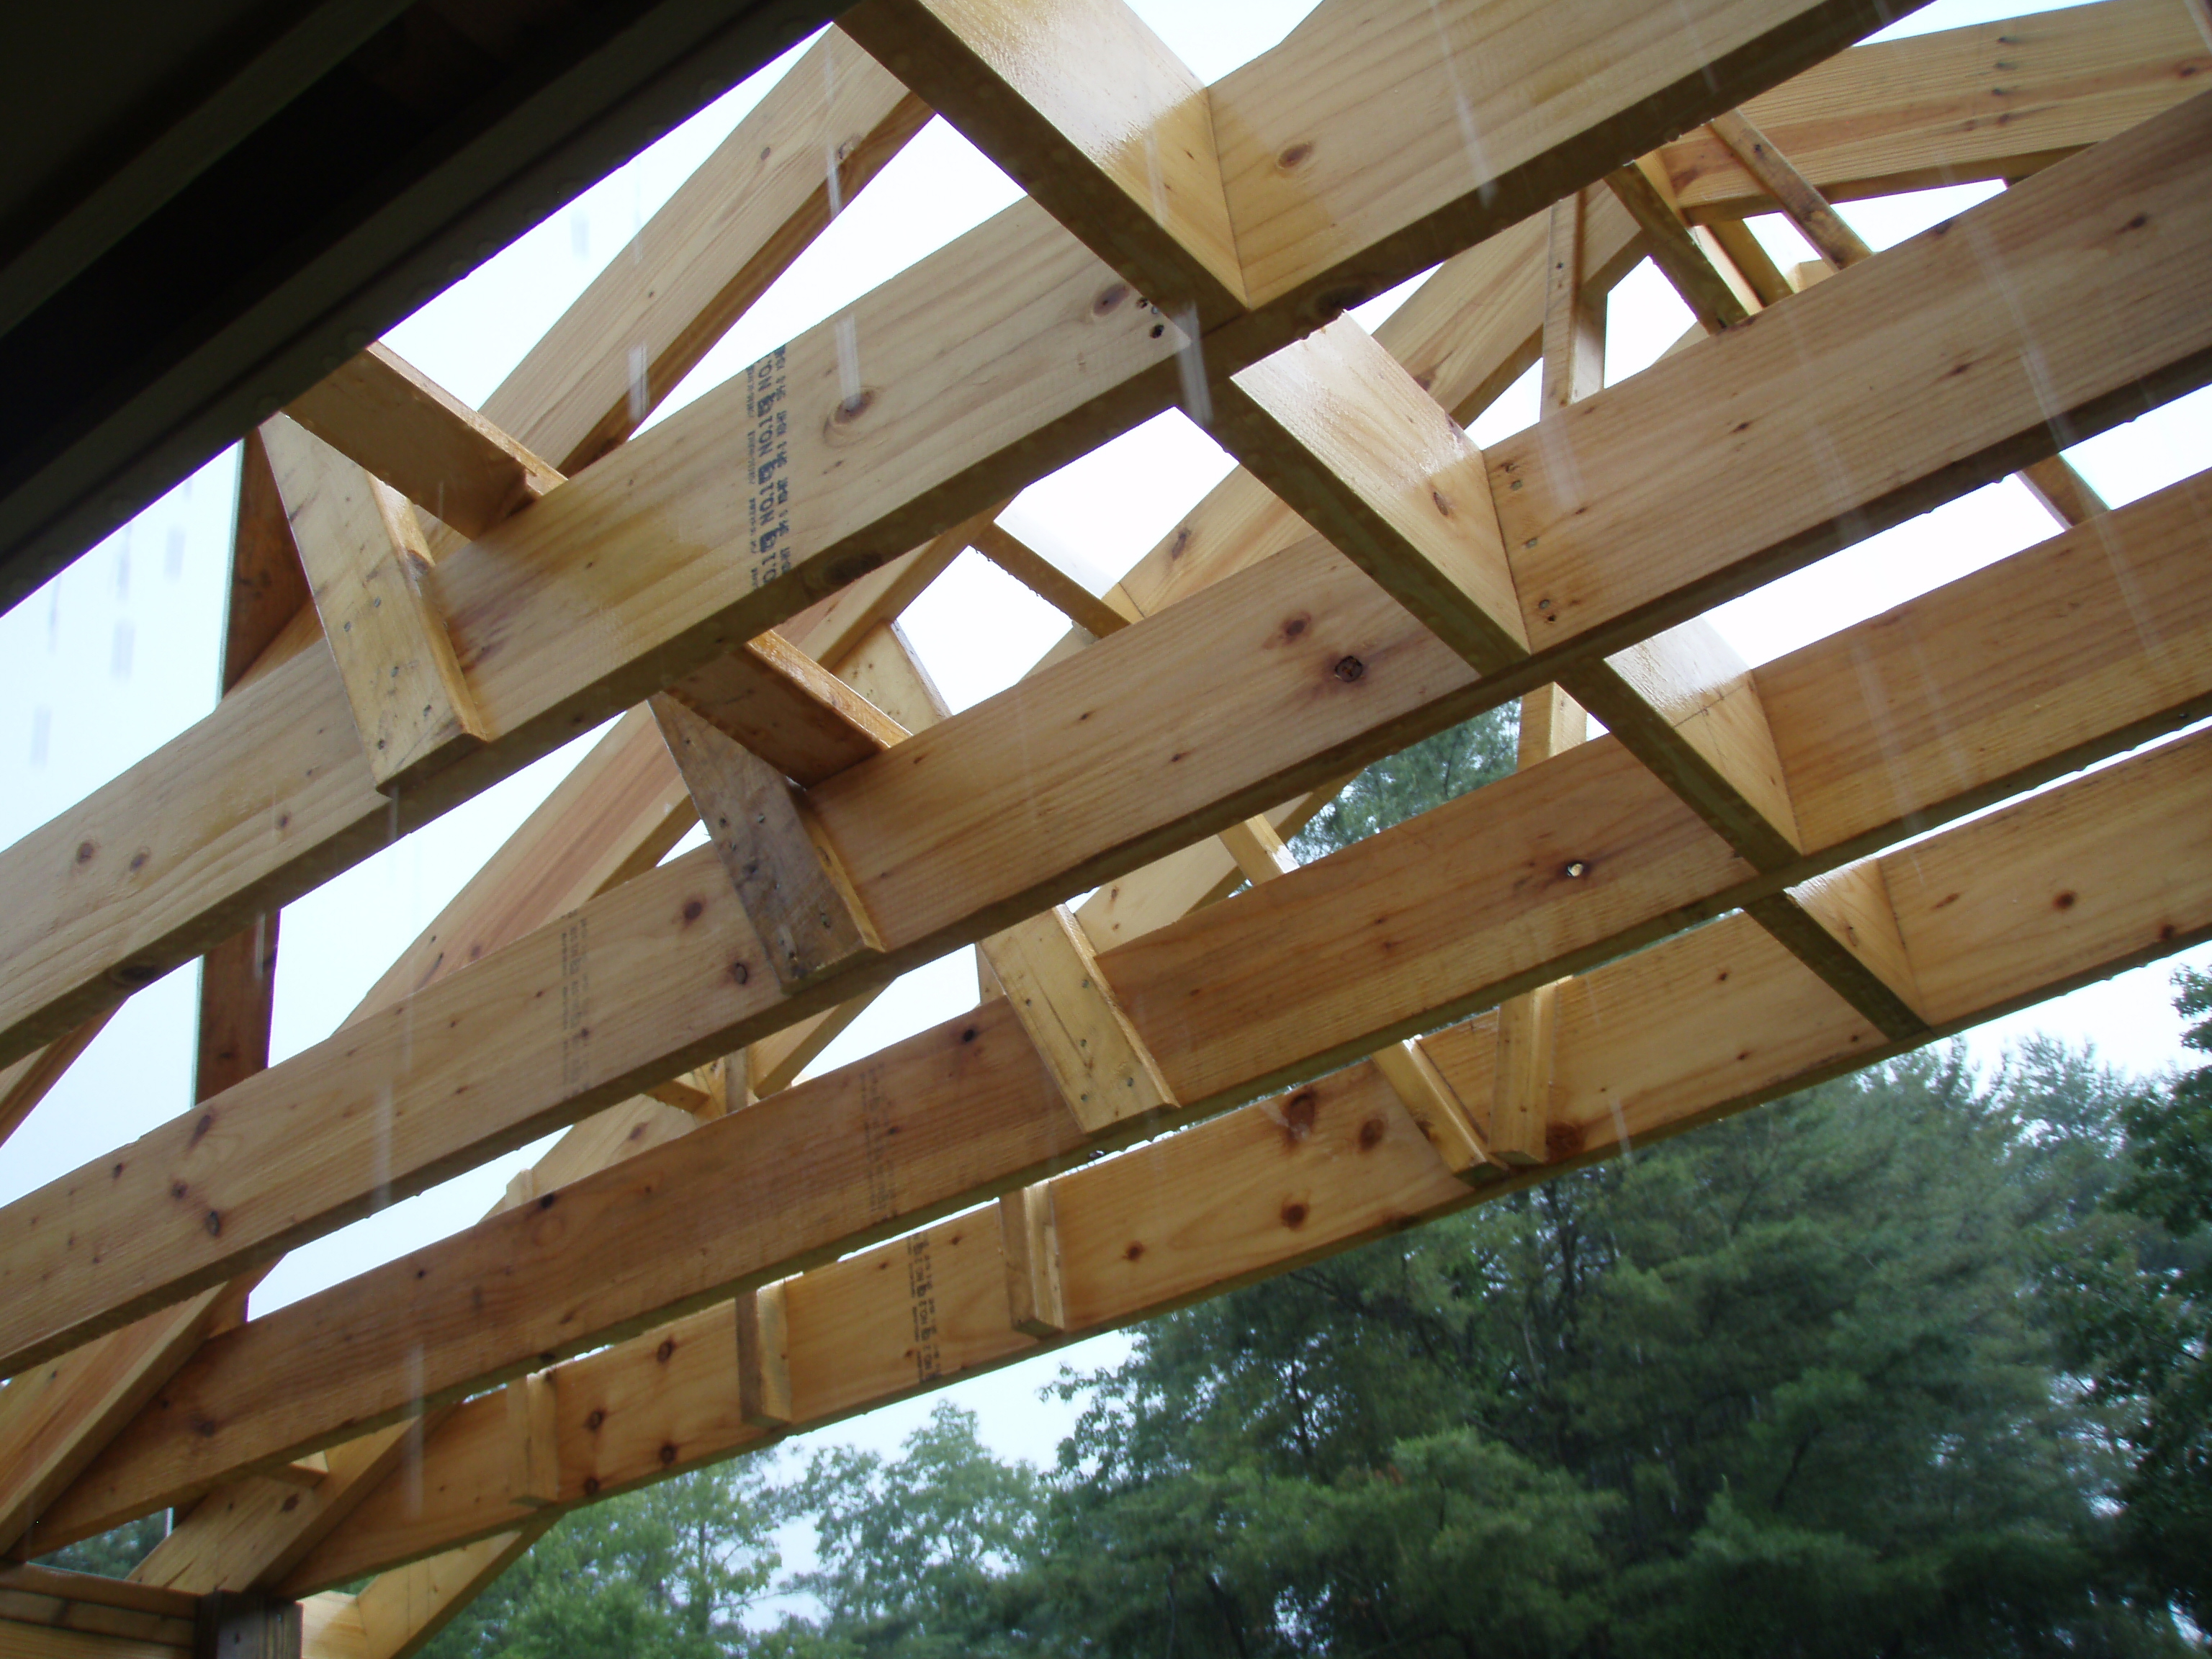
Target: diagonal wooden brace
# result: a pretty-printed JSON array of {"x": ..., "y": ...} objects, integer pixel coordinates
[
  {"x": 1051, "y": 978},
  {"x": 363, "y": 552},
  {"x": 789, "y": 880}
]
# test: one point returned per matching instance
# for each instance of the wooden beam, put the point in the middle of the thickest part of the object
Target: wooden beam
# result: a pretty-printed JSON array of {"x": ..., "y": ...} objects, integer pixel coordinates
[
  {"x": 764, "y": 1369},
  {"x": 794, "y": 890},
  {"x": 1029, "y": 1237},
  {"x": 234, "y": 1625},
  {"x": 535, "y": 1456},
  {"x": 1094, "y": 117},
  {"x": 914, "y": 797},
  {"x": 1797, "y": 196},
  {"x": 1675, "y": 251},
  {"x": 1552, "y": 722},
  {"x": 623, "y": 804},
  {"x": 1460, "y": 923},
  {"x": 1347, "y": 439},
  {"x": 956, "y": 436},
  {"x": 389, "y": 418},
  {"x": 1095, "y": 616},
  {"x": 1050, "y": 977},
  {"x": 362, "y": 548},
  {"x": 1995, "y": 100},
  {"x": 787, "y": 708},
  {"x": 1295, "y": 1177},
  {"x": 1574, "y": 312},
  {"x": 822, "y": 132},
  {"x": 24, "y": 1083},
  {"x": 77, "y": 1615}
]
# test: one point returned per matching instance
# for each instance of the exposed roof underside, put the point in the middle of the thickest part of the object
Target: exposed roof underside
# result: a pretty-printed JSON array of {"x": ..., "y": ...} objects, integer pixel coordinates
[{"x": 1715, "y": 901}]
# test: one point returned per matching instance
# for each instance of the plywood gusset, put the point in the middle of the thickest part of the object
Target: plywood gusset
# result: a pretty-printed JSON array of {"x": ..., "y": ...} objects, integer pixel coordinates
[{"x": 428, "y": 596}]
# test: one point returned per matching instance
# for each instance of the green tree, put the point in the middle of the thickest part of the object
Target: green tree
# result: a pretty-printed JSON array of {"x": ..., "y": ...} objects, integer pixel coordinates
[
  {"x": 663, "y": 1573},
  {"x": 113, "y": 1554},
  {"x": 2137, "y": 1304},
  {"x": 916, "y": 1550}
]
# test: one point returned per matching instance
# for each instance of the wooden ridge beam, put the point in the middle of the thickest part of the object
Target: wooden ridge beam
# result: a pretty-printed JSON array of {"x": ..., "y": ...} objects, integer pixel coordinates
[
  {"x": 2000, "y": 909},
  {"x": 970, "y": 881},
  {"x": 1650, "y": 865},
  {"x": 1058, "y": 356}
]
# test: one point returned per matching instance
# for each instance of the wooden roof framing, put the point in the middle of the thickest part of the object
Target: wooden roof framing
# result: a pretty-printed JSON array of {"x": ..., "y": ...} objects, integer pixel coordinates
[{"x": 1755, "y": 878}]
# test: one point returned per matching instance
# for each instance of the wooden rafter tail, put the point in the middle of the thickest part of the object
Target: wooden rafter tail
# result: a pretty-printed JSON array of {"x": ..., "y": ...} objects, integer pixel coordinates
[
  {"x": 1005, "y": 280},
  {"x": 1244, "y": 1195}
]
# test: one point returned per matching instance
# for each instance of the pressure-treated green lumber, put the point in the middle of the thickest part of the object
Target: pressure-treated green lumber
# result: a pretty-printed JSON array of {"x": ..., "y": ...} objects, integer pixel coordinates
[
  {"x": 677, "y": 557},
  {"x": 934, "y": 844},
  {"x": 1401, "y": 909}
]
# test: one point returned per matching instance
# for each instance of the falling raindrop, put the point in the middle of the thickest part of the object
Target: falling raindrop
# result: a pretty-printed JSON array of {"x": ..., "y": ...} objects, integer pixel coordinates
[
  {"x": 173, "y": 564},
  {"x": 120, "y": 661},
  {"x": 580, "y": 233},
  {"x": 42, "y": 721},
  {"x": 123, "y": 569}
]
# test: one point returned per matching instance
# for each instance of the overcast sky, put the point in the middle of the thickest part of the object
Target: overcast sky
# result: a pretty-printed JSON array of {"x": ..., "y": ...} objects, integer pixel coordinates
[{"x": 117, "y": 654}]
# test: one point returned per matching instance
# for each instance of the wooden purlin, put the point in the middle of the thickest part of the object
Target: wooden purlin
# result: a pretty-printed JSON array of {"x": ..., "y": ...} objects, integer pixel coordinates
[
  {"x": 1065, "y": 369},
  {"x": 1733, "y": 534},
  {"x": 1334, "y": 1162},
  {"x": 1654, "y": 865}
]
